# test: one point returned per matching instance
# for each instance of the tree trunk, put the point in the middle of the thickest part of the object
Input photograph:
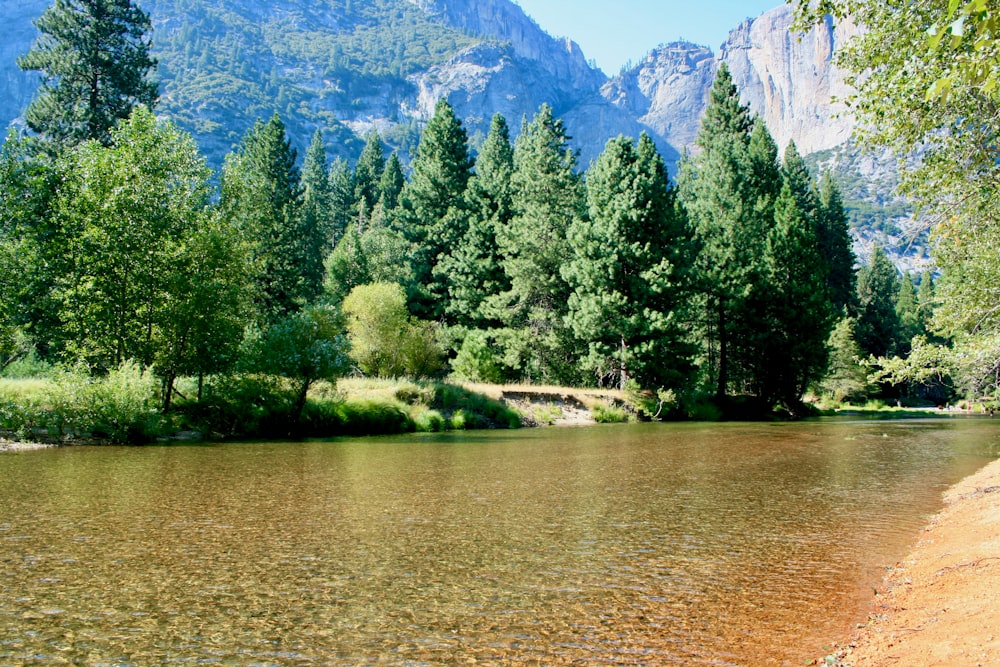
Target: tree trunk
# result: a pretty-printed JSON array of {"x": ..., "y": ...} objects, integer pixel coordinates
[{"x": 720, "y": 392}]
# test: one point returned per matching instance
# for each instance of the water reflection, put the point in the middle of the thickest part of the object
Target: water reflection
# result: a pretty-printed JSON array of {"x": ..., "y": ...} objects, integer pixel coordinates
[{"x": 653, "y": 545}]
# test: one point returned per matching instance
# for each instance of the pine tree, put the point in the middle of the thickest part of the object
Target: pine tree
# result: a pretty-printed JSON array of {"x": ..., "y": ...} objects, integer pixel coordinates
[
  {"x": 721, "y": 190},
  {"x": 431, "y": 215},
  {"x": 315, "y": 221},
  {"x": 800, "y": 318},
  {"x": 391, "y": 184},
  {"x": 908, "y": 313},
  {"x": 472, "y": 269},
  {"x": 94, "y": 59},
  {"x": 367, "y": 174},
  {"x": 877, "y": 326},
  {"x": 261, "y": 195},
  {"x": 630, "y": 270},
  {"x": 835, "y": 247},
  {"x": 341, "y": 199},
  {"x": 548, "y": 197}
]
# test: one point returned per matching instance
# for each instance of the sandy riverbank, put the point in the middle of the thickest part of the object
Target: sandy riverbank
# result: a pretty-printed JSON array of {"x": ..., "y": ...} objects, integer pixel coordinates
[{"x": 941, "y": 605}]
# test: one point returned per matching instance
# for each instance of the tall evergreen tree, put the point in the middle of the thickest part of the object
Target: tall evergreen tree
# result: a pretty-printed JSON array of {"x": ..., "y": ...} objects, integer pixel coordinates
[
  {"x": 794, "y": 352},
  {"x": 261, "y": 195},
  {"x": 472, "y": 268},
  {"x": 548, "y": 197},
  {"x": 367, "y": 174},
  {"x": 720, "y": 189},
  {"x": 391, "y": 184},
  {"x": 94, "y": 59},
  {"x": 877, "y": 326},
  {"x": 835, "y": 247},
  {"x": 908, "y": 313},
  {"x": 630, "y": 270},
  {"x": 315, "y": 217},
  {"x": 431, "y": 215},
  {"x": 341, "y": 199}
]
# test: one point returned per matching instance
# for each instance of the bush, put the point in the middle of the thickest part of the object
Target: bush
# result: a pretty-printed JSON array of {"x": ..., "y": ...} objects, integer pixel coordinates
[
  {"x": 430, "y": 421},
  {"x": 476, "y": 361},
  {"x": 609, "y": 414}
]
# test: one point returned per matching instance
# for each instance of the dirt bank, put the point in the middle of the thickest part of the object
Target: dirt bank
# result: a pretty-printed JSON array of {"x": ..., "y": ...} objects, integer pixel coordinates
[{"x": 941, "y": 606}]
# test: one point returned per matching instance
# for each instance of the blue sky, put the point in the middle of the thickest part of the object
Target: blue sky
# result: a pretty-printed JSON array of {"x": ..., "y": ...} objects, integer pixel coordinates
[{"x": 613, "y": 32}]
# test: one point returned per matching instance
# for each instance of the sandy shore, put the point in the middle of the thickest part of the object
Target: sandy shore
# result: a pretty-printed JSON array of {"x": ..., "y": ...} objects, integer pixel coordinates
[
  {"x": 941, "y": 605},
  {"x": 15, "y": 446}
]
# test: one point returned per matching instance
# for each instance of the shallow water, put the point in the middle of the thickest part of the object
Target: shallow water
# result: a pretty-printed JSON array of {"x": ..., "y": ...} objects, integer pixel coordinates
[{"x": 733, "y": 544}]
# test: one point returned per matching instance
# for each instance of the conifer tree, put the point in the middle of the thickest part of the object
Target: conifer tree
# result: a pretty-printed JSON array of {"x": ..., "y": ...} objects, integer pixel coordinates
[
  {"x": 835, "y": 247},
  {"x": 877, "y": 326},
  {"x": 717, "y": 188},
  {"x": 793, "y": 354},
  {"x": 367, "y": 174},
  {"x": 431, "y": 215},
  {"x": 472, "y": 269},
  {"x": 548, "y": 197},
  {"x": 94, "y": 59},
  {"x": 261, "y": 195},
  {"x": 391, "y": 184},
  {"x": 315, "y": 217},
  {"x": 630, "y": 270},
  {"x": 908, "y": 313},
  {"x": 341, "y": 199}
]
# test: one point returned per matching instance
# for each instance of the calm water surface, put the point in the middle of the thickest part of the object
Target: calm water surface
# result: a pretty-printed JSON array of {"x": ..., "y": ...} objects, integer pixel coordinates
[{"x": 625, "y": 545}]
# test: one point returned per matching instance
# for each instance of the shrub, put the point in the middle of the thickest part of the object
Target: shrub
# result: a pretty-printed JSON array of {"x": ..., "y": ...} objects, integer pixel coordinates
[
  {"x": 609, "y": 414},
  {"x": 476, "y": 361}
]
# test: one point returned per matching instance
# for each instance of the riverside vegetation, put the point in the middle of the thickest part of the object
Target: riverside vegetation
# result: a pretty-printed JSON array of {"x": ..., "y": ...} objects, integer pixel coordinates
[{"x": 158, "y": 296}]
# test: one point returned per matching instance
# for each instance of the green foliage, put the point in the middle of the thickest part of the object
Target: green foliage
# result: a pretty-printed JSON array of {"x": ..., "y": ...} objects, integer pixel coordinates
[
  {"x": 476, "y": 360},
  {"x": 877, "y": 328},
  {"x": 123, "y": 217},
  {"x": 431, "y": 206},
  {"x": 305, "y": 346},
  {"x": 119, "y": 408},
  {"x": 364, "y": 257},
  {"x": 609, "y": 414},
  {"x": 471, "y": 268},
  {"x": 261, "y": 196},
  {"x": 385, "y": 341},
  {"x": 548, "y": 196},
  {"x": 630, "y": 271},
  {"x": 94, "y": 59}
]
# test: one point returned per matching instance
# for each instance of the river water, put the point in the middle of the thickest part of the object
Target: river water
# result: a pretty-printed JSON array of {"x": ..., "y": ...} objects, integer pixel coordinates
[{"x": 731, "y": 544}]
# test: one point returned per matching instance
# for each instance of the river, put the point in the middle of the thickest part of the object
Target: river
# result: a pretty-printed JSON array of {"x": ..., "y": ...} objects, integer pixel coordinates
[{"x": 648, "y": 544}]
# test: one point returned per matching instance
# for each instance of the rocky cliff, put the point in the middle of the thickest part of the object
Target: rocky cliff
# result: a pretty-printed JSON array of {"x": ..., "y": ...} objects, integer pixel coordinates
[
  {"x": 347, "y": 67},
  {"x": 788, "y": 78}
]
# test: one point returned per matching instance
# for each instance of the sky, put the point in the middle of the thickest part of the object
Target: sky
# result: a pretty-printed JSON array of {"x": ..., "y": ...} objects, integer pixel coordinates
[{"x": 613, "y": 32}]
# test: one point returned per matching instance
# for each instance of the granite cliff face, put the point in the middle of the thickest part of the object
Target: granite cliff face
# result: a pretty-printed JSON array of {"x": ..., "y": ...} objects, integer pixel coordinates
[
  {"x": 789, "y": 79},
  {"x": 339, "y": 66}
]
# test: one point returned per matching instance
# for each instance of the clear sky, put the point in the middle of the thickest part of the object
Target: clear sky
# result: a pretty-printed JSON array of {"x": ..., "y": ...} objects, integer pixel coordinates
[{"x": 613, "y": 32}]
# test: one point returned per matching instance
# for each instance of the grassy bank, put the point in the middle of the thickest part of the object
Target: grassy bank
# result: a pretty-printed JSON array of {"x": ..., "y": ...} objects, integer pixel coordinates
[{"x": 124, "y": 408}]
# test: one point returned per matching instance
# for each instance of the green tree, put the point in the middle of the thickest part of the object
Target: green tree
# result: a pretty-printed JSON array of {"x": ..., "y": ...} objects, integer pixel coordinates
[
  {"x": 341, "y": 182},
  {"x": 472, "y": 269},
  {"x": 431, "y": 204},
  {"x": 720, "y": 188},
  {"x": 846, "y": 378},
  {"x": 908, "y": 314},
  {"x": 262, "y": 197},
  {"x": 316, "y": 224},
  {"x": 548, "y": 196},
  {"x": 800, "y": 318},
  {"x": 926, "y": 77},
  {"x": 877, "y": 327},
  {"x": 204, "y": 308},
  {"x": 834, "y": 237},
  {"x": 363, "y": 257},
  {"x": 385, "y": 340},
  {"x": 367, "y": 175},
  {"x": 93, "y": 56},
  {"x": 305, "y": 346},
  {"x": 630, "y": 270},
  {"x": 391, "y": 184},
  {"x": 123, "y": 214}
]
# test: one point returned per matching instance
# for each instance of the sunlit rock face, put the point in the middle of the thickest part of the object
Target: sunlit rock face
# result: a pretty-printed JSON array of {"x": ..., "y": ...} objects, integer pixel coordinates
[{"x": 789, "y": 79}]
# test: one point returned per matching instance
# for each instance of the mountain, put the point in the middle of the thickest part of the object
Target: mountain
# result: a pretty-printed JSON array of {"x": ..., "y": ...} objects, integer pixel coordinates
[
  {"x": 350, "y": 65},
  {"x": 347, "y": 66}
]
